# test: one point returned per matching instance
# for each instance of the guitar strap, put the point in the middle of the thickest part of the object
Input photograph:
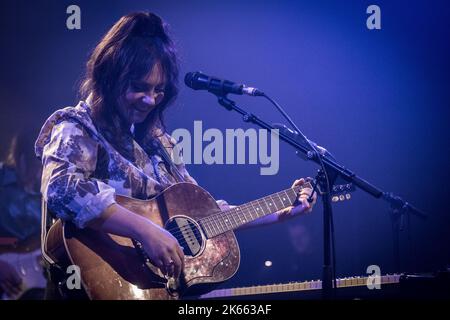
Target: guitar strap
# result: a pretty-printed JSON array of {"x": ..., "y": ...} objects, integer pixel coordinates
[{"x": 46, "y": 222}]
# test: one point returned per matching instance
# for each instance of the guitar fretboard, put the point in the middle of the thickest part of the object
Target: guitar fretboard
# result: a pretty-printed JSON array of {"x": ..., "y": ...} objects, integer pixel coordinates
[
  {"x": 298, "y": 286},
  {"x": 222, "y": 222}
]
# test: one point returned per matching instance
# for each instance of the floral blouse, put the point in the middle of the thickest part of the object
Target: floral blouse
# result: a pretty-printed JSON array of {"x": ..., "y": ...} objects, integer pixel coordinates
[{"x": 82, "y": 172}]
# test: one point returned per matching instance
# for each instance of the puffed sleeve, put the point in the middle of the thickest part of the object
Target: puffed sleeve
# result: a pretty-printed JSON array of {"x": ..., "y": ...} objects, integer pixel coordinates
[{"x": 69, "y": 160}]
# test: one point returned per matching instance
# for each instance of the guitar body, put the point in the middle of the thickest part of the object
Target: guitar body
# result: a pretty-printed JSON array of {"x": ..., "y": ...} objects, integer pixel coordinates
[
  {"x": 29, "y": 268},
  {"x": 113, "y": 267}
]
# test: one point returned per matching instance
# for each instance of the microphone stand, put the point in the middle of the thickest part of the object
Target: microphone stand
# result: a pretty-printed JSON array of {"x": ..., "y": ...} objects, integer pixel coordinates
[
  {"x": 399, "y": 209},
  {"x": 333, "y": 170}
]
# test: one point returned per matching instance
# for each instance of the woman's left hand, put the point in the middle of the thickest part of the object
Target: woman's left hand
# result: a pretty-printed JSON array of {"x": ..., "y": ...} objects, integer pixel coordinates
[
  {"x": 224, "y": 206},
  {"x": 302, "y": 206}
]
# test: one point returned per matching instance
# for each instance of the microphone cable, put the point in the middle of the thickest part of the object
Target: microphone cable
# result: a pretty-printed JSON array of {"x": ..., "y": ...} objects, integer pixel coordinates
[{"x": 328, "y": 189}]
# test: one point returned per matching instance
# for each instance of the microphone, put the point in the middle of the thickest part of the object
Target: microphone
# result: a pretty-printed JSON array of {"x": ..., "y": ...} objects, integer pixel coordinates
[{"x": 200, "y": 81}]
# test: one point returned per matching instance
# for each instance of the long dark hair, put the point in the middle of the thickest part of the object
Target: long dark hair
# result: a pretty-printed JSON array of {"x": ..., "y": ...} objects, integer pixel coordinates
[{"x": 127, "y": 53}]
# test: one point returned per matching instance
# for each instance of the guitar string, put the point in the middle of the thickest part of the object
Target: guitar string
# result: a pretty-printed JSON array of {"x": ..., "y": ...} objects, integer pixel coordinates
[
  {"x": 220, "y": 226},
  {"x": 247, "y": 210},
  {"x": 244, "y": 209}
]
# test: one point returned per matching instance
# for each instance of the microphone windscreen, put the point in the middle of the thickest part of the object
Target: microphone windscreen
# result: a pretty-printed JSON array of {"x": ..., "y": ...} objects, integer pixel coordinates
[
  {"x": 191, "y": 80},
  {"x": 188, "y": 79}
]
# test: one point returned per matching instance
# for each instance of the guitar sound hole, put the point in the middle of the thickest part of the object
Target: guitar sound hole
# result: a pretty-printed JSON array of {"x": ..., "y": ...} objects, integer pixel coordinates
[{"x": 188, "y": 234}]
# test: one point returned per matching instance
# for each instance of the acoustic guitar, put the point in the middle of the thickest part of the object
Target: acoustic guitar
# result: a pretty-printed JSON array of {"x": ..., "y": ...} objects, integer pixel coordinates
[{"x": 114, "y": 267}]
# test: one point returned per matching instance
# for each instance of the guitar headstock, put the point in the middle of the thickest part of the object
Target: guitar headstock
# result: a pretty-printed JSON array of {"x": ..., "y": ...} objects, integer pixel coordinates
[
  {"x": 342, "y": 192},
  {"x": 339, "y": 192}
]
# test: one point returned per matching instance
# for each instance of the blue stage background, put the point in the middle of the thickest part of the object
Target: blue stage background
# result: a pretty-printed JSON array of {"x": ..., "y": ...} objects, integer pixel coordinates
[{"x": 378, "y": 99}]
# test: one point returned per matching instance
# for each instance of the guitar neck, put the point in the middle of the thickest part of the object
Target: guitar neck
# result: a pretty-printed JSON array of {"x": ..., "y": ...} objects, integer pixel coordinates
[
  {"x": 225, "y": 221},
  {"x": 298, "y": 287}
]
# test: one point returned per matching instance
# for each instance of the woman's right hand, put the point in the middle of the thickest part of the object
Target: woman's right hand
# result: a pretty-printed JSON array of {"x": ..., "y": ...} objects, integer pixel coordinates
[
  {"x": 160, "y": 246},
  {"x": 163, "y": 249}
]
